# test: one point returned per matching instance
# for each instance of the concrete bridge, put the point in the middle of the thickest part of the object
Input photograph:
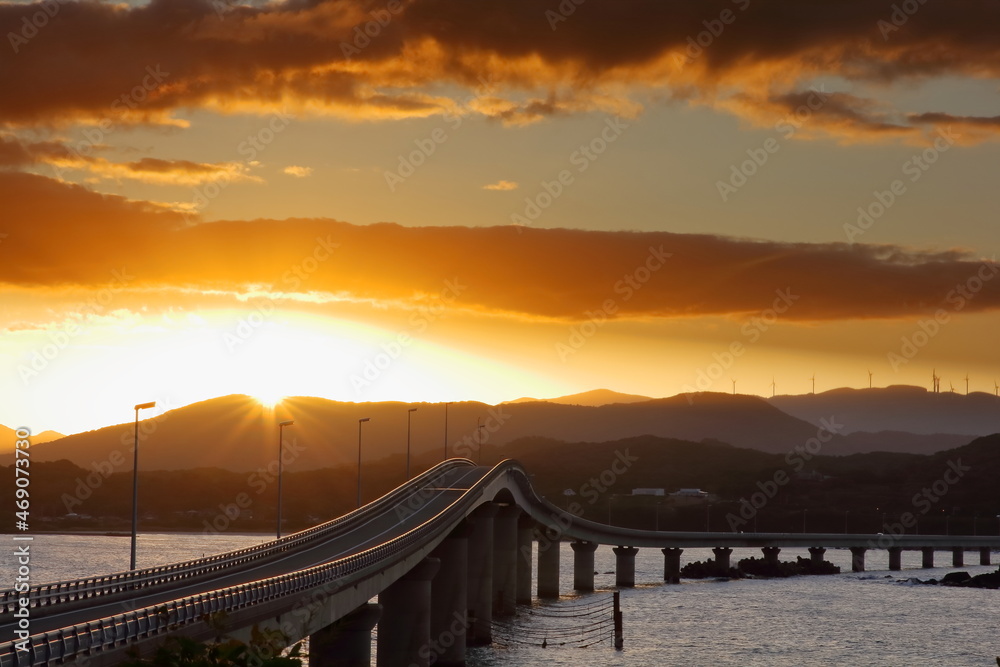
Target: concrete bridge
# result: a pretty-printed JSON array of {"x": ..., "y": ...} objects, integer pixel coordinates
[{"x": 444, "y": 553}]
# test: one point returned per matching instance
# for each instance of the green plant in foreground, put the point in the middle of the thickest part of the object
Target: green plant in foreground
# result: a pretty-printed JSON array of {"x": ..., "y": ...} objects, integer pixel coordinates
[{"x": 264, "y": 650}]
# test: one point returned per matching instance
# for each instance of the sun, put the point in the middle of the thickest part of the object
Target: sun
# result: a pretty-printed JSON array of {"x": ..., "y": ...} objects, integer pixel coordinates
[{"x": 269, "y": 399}]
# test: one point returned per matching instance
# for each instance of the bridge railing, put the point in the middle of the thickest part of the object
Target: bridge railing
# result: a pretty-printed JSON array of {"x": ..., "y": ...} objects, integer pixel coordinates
[
  {"x": 128, "y": 583},
  {"x": 118, "y": 630}
]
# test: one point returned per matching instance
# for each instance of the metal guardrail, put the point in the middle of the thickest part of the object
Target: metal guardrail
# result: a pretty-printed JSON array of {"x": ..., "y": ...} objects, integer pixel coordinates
[
  {"x": 121, "y": 629},
  {"x": 148, "y": 579}
]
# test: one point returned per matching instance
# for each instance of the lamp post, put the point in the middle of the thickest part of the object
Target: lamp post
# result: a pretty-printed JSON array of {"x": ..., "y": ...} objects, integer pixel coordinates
[
  {"x": 281, "y": 425},
  {"x": 479, "y": 438},
  {"x": 360, "y": 422},
  {"x": 408, "y": 413},
  {"x": 998, "y": 524},
  {"x": 446, "y": 430},
  {"x": 135, "y": 480}
]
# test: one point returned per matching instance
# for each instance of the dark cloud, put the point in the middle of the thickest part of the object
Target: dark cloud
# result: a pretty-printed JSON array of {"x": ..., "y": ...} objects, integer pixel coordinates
[
  {"x": 382, "y": 60},
  {"x": 67, "y": 235}
]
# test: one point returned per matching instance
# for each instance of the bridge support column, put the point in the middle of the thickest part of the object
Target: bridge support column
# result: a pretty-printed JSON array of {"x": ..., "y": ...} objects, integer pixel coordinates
[
  {"x": 858, "y": 559},
  {"x": 449, "y": 600},
  {"x": 505, "y": 560},
  {"x": 984, "y": 555},
  {"x": 672, "y": 565},
  {"x": 816, "y": 554},
  {"x": 348, "y": 642},
  {"x": 583, "y": 565},
  {"x": 548, "y": 565},
  {"x": 957, "y": 556},
  {"x": 722, "y": 558},
  {"x": 927, "y": 559},
  {"x": 480, "y": 562},
  {"x": 404, "y": 632},
  {"x": 625, "y": 566},
  {"x": 525, "y": 529},
  {"x": 895, "y": 558},
  {"x": 771, "y": 554}
]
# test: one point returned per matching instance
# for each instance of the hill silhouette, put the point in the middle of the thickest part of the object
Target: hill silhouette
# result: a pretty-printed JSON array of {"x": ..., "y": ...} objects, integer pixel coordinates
[
  {"x": 898, "y": 408},
  {"x": 594, "y": 397},
  {"x": 238, "y": 434}
]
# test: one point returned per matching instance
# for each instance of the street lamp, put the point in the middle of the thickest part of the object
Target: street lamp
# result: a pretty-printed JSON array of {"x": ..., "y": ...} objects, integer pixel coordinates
[
  {"x": 135, "y": 479},
  {"x": 446, "y": 430},
  {"x": 281, "y": 425},
  {"x": 479, "y": 437},
  {"x": 360, "y": 422},
  {"x": 998, "y": 524},
  {"x": 408, "y": 413}
]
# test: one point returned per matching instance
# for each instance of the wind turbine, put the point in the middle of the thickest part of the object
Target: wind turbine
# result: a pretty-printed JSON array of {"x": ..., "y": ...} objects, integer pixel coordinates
[
  {"x": 952, "y": 385},
  {"x": 934, "y": 381},
  {"x": 734, "y": 386},
  {"x": 870, "y": 379},
  {"x": 813, "y": 378},
  {"x": 772, "y": 387},
  {"x": 966, "y": 384},
  {"x": 996, "y": 388}
]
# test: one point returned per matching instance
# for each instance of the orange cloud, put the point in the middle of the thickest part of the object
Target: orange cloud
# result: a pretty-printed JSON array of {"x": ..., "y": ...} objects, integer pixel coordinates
[
  {"x": 501, "y": 186},
  {"x": 517, "y": 271},
  {"x": 352, "y": 59}
]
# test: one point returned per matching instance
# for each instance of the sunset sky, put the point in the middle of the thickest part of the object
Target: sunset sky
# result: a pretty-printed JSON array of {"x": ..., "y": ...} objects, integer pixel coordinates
[{"x": 454, "y": 200}]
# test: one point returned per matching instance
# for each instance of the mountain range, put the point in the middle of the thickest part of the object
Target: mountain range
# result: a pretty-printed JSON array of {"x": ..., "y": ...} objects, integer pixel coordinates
[{"x": 237, "y": 433}]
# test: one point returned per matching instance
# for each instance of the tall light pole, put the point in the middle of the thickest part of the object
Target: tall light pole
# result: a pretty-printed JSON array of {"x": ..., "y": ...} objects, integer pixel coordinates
[
  {"x": 479, "y": 437},
  {"x": 360, "y": 422},
  {"x": 446, "y": 431},
  {"x": 135, "y": 480},
  {"x": 408, "y": 413},
  {"x": 281, "y": 425}
]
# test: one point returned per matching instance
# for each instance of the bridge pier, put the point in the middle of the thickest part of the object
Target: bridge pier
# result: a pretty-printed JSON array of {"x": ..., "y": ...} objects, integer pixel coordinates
[
  {"x": 672, "y": 565},
  {"x": 505, "y": 560},
  {"x": 525, "y": 529},
  {"x": 771, "y": 554},
  {"x": 927, "y": 557},
  {"x": 957, "y": 556},
  {"x": 722, "y": 557},
  {"x": 449, "y": 599},
  {"x": 816, "y": 554},
  {"x": 625, "y": 566},
  {"x": 858, "y": 559},
  {"x": 404, "y": 632},
  {"x": 583, "y": 565},
  {"x": 984, "y": 555},
  {"x": 480, "y": 582},
  {"x": 346, "y": 643},
  {"x": 895, "y": 558},
  {"x": 548, "y": 565}
]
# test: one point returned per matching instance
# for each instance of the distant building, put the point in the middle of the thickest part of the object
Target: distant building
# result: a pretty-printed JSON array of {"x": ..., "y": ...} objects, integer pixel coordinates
[
  {"x": 690, "y": 493},
  {"x": 648, "y": 492}
]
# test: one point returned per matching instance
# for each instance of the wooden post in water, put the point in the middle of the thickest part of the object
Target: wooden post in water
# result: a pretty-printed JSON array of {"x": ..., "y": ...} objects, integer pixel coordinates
[{"x": 619, "y": 640}]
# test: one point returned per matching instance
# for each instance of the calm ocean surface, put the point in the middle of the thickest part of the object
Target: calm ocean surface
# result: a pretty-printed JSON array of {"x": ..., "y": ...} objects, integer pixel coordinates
[{"x": 849, "y": 619}]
